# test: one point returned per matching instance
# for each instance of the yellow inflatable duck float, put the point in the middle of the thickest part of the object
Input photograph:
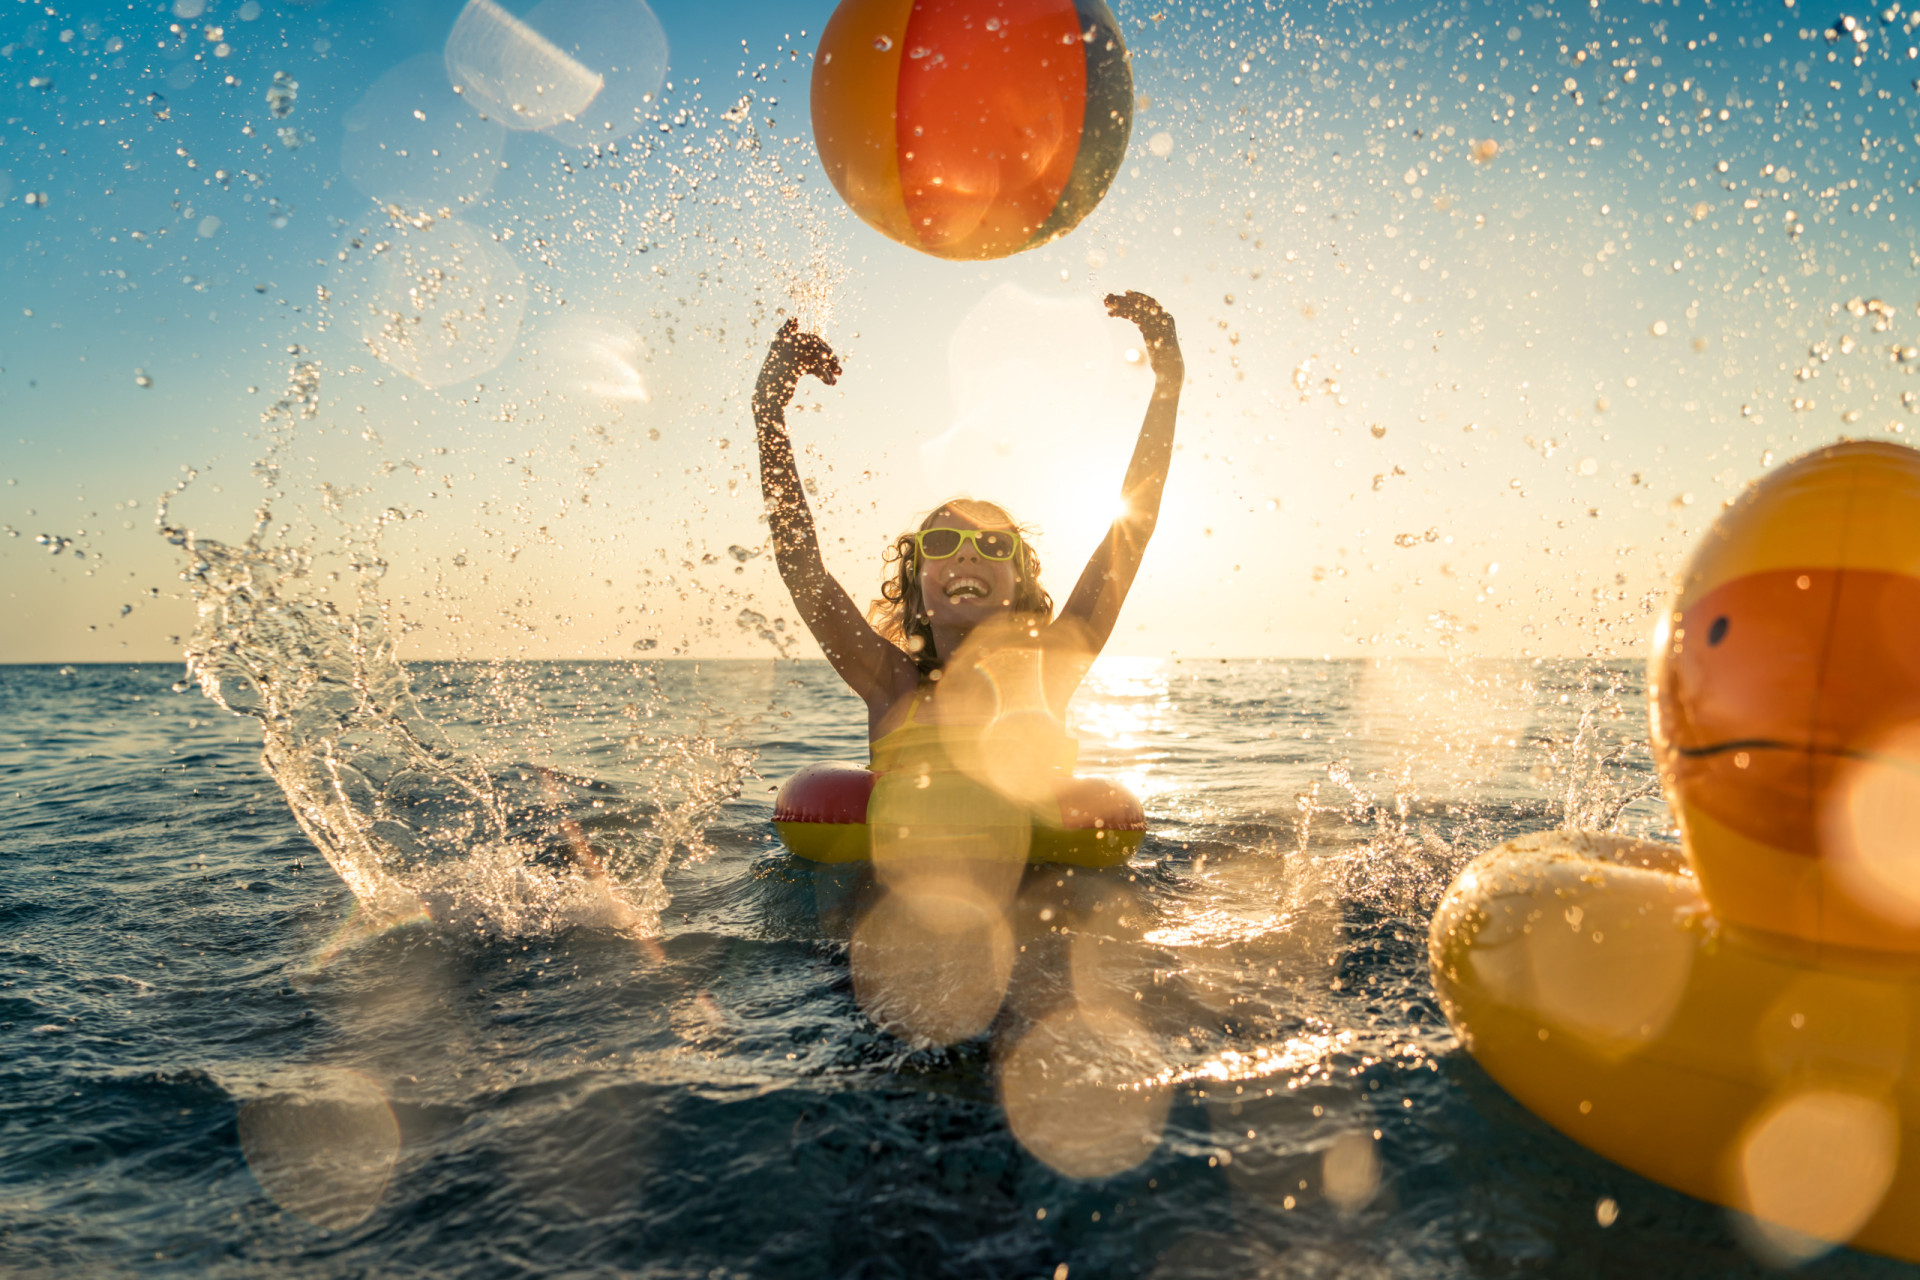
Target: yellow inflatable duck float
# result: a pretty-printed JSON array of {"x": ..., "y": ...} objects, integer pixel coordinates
[{"x": 1739, "y": 1019}]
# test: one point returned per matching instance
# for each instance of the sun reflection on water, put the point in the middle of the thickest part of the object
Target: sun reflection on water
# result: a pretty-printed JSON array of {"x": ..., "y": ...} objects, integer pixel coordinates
[
  {"x": 1120, "y": 709},
  {"x": 1301, "y": 1056}
]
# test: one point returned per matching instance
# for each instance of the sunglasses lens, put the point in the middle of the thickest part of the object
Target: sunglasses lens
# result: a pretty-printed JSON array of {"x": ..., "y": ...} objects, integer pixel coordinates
[
  {"x": 938, "y": 544},
  {"x": 995, "y": 545}
]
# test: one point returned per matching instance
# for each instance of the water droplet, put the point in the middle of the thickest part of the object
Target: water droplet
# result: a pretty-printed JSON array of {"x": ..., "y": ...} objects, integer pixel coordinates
[
  {"x": 883, "y": 43},
  {"x": 282, "y": 94}
]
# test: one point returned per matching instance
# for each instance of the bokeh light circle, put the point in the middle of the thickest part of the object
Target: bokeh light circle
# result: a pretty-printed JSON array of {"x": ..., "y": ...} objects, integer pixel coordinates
[
  {"x": 409, "y": 141},
  {"x": 322, "y": 1145},
  {"x": 436, "y": 299},
  {"x": 931, "y": 965},
  {"x": 1082, "y": 1092},
  {"x": 1814, "y": 1166}
]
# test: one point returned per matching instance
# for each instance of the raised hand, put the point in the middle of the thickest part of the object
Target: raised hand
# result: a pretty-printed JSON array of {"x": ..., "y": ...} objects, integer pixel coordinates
[
  {"x": 792, "y": 356},
  {"x": 1156, "y": 326}
]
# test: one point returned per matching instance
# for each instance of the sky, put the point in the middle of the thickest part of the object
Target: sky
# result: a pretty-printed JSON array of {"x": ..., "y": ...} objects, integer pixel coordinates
[{"x": 1487, "y": 310}]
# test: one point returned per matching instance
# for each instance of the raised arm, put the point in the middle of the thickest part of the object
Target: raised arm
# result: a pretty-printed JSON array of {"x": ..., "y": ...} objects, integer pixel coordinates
[
  {"x": 1103, "y": 586},
  {"x": 864, "y": 659}
]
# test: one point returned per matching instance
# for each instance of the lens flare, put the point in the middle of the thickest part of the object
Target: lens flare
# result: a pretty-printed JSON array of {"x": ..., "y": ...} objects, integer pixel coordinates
[
  {"x": 323, "y": 1144},
  {"x": 410, "y": 142},
  {"x": 1350, "y": 1170},
  {"x": 1871, "y": 819},
  {"x": 1040, "y": 390},
  {"x": 1080, "y": 1092},
  {"x": 931, "y": 964},
  {"x": 1814, "y": 1166},
  {"x": 583, "y": 72},
  {"x": 514, "y": 74},
  {"x": 596, "y": 361},
  {"x": 434, "y": 298}
]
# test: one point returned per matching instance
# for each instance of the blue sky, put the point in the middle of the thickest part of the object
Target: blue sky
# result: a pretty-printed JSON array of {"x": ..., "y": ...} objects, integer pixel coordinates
[{"x": 1487, "y": 309}]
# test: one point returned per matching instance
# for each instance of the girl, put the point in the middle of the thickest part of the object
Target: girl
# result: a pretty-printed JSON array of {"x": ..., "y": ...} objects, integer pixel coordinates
[{"x": 966, "y": 586}]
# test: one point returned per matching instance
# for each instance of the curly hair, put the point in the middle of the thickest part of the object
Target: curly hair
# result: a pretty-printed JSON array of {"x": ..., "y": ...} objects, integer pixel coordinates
[{"x": 900, "y": 615}]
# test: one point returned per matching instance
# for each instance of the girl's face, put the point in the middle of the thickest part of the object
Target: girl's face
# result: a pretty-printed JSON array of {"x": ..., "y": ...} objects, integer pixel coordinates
[{"x": 965, "y": 589}]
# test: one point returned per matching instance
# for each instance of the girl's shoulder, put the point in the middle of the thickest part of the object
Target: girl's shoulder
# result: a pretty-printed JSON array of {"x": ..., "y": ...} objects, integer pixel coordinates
[{"x": 902, "y": 700}]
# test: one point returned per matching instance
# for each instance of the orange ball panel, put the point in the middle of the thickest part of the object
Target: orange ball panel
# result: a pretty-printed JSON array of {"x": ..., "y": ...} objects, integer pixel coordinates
[
  {"x": 992, "y": 97},
  {"x": 1789, "y": 665}
]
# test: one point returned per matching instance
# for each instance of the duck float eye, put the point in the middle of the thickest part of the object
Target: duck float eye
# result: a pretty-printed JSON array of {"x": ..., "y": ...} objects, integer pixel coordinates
[{"x": 1731, "y": 1017}]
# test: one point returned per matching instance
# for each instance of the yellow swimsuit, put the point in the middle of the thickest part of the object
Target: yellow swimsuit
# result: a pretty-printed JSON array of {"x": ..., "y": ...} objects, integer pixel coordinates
[
  {"x": 925, "y": 748},
  {"x": 947, "y": 792}
]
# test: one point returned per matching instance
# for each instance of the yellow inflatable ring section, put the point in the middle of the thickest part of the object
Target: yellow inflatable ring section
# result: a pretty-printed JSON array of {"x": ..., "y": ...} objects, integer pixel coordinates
[{"x": 1587, "y": 975}]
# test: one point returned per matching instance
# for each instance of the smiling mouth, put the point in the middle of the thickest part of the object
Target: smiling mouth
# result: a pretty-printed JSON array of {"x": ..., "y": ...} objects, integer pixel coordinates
[{"x": 967, "y": 589}]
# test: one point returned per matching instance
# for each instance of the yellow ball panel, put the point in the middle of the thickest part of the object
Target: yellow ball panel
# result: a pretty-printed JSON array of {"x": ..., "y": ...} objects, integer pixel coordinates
[{"x": 856, "y": 79}]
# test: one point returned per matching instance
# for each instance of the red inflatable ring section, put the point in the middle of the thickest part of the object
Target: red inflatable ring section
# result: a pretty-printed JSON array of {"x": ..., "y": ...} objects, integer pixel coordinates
[{"x": 821, "y": 815}]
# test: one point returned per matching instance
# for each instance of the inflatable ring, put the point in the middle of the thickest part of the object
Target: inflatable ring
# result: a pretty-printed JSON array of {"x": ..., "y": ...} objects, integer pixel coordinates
[
  {"x": 821, "y": 815},
  {"x": 1589, "y": 978},
  {"x": 1739, "y": 1018}
]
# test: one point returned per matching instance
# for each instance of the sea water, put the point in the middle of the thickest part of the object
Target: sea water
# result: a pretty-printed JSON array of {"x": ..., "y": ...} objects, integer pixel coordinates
[{"x": 226, "y": 1055}]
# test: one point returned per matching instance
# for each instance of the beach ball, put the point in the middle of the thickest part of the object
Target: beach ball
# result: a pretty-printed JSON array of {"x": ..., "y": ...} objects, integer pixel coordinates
[
  {"x": 972, "y": 129},
  {"x": 1785, "y": 697}
]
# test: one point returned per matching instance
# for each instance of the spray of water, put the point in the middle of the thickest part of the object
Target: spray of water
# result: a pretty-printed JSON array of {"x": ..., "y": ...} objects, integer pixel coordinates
[{"x": 421, "y": 827}]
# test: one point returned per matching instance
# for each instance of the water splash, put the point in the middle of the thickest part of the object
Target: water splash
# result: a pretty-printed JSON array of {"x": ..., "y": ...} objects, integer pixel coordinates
[
  {"x": 419, "y": 826},
  {"x": 1604, "y": 768}
]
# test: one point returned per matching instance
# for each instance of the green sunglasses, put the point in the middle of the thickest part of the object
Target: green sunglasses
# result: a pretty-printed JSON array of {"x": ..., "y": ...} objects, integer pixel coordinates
[{"x": 943, "y": 544}]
